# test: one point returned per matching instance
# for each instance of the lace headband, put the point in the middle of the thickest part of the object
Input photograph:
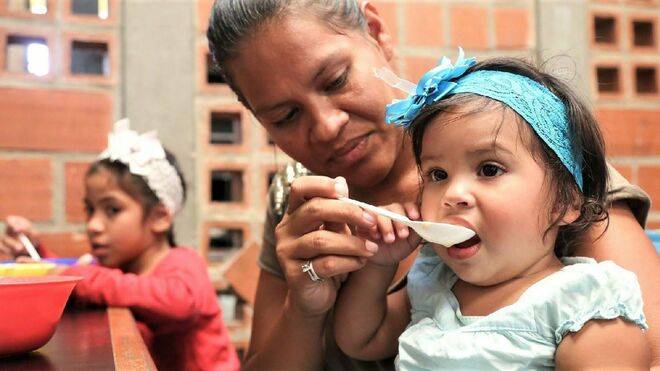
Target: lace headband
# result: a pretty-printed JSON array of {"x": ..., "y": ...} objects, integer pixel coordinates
[
  {"x": 144, "y": 156},
  {"x": 540, "y": 108}
]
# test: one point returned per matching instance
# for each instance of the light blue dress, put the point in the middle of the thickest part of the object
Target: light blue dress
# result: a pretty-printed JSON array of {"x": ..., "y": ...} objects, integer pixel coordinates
[{"x": 523, "y": 335}]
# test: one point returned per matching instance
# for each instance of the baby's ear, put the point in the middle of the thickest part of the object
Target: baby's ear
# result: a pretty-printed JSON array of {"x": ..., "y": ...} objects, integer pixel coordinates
[
  {"x": 160, "y": 219},
  {"x": 571, "y": 215}
]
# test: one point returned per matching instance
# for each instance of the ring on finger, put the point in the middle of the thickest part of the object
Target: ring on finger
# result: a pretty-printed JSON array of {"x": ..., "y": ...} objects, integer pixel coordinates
[{"x": 308, "y": 268}]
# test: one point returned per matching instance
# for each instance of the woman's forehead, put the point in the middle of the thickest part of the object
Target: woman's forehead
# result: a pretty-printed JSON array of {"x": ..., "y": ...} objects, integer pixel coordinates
[
  {"x": 287, "y": 53},
  {"x": 290, "y": 38}
]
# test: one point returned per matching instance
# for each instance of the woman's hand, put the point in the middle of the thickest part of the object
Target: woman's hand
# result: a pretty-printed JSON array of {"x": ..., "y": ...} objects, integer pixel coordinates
[
  {"x": 395, "y": 240},
  {"x": 10, "y": 245},
  {"x": 315, "y": 230}
]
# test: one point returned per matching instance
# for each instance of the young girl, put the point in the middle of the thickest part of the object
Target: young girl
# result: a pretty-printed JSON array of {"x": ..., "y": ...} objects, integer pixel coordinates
[
  {"x": 510, "y": 153},
  {"x": 132, "y": 194}
]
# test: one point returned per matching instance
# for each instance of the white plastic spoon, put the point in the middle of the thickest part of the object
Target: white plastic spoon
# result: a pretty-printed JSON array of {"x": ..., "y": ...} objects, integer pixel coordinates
[
  {"x": 440, "y": 233},
  {"x": 29, "y": 247}
]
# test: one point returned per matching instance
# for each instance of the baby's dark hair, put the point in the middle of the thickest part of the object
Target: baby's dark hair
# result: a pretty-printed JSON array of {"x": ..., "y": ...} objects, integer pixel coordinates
[
  {"x": 137, "y": 187},
  {"x": 586, "y": 139}
]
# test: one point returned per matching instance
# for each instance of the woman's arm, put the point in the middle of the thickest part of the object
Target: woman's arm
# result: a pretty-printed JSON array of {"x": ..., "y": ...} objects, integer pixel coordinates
[
  {"x": 626, "y": 243},
  {"x": 283, "y": 337},
  {"x": 290, "y": 311},
  {"x": 604, "y": 345}
]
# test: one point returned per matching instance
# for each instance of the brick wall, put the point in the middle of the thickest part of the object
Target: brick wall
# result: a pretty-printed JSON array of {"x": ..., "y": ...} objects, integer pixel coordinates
[
  {"x": 52, "y": 125},
  {"x": 624, "y": 38}
]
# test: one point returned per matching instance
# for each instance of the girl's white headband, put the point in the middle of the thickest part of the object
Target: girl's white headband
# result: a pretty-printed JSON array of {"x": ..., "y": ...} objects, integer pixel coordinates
[{"x": 144, "y": 156}]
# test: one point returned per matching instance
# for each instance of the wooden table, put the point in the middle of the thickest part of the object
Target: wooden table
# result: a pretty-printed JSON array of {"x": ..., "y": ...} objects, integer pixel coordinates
[{"x": 100, "y": 339}]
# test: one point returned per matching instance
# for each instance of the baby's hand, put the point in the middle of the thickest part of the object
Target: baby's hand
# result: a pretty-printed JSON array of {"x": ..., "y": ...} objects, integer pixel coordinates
[
  {"x": 395, "y": 240},
  {"x": 10, "y": 245}
]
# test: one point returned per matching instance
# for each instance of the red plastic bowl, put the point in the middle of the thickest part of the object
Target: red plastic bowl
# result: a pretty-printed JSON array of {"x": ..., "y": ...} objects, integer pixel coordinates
[{"x": 30, "y": 308}]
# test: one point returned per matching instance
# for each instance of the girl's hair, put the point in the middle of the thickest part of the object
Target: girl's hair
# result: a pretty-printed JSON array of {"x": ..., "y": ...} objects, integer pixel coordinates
[
  {"x": 233, "y": 21},
  {"x": 586, "y": 140},
  {"x": 136, "y": 187}
]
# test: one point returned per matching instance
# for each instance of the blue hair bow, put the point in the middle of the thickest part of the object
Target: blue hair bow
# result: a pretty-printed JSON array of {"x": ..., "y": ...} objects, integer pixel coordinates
[
  {"x": 537, "y": 105},
  {"x": 432, "y": 87}
]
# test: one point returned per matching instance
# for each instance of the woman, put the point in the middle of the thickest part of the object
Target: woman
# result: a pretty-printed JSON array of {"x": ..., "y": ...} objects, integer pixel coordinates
[{"x": 305, "y": 70}]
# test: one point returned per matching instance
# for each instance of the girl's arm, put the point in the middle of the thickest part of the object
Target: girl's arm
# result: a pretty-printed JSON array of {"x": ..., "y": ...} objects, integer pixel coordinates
[
  {"x": 368, "y": 322},
  {"x": 178, "y": 291},
  {"x": 626, "y": 243},
  {"x": 604, "y": 345}
]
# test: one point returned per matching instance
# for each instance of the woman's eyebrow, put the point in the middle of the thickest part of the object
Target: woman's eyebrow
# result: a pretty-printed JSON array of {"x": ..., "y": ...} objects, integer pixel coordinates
[{"x": 266, "y": 109}]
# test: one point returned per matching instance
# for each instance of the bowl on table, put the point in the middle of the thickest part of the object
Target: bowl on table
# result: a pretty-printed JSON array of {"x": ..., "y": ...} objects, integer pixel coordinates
[
  {"x": 30, "y": 310},
  {"x": 25, "y": 269},
  {"x": 10, "y": 268}
]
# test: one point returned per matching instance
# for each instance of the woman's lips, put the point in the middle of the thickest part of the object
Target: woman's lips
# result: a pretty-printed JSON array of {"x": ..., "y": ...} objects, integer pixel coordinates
[{"x": 350, "y": 152}]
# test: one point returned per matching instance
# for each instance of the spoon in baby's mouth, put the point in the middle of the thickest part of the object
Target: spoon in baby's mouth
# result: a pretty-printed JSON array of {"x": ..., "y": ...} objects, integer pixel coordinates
[{"x": 440, "y": 233}]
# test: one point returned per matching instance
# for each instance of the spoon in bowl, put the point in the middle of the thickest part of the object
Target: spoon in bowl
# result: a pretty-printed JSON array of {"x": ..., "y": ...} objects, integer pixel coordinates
[
  {"x": 29, "y": 247},
  {"x": 440, "y": 233}
]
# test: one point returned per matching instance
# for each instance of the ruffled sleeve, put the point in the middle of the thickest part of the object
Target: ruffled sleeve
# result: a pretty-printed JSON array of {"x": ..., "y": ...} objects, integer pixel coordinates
[{"x": 591, "y": 291}]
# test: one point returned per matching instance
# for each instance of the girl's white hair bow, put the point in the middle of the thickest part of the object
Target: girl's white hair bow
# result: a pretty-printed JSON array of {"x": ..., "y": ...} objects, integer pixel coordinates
[{"x": 144, "y": 156}]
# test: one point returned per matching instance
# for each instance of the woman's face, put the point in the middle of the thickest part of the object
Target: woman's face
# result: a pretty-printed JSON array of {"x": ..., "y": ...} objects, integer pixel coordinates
[{"x": 315, "y": 92}]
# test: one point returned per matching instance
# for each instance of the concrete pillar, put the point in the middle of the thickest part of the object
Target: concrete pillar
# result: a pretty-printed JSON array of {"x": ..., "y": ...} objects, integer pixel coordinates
[
  {"x": 563, "y": 41},
  {"x": 159, "y": 85}
]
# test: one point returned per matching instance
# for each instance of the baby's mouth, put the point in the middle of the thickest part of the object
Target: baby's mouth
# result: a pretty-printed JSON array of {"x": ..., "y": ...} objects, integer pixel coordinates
[{"x": 469, "y": 243}]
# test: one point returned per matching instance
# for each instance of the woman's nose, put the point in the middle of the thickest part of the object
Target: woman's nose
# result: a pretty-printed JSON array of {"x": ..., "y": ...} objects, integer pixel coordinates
[
  {"x": 458, "y": 194},
  {"x": 328, "y": 121}
]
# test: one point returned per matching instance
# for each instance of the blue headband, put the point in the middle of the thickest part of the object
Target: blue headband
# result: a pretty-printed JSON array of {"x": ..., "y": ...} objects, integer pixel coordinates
[{"x": 540, "y": 108}]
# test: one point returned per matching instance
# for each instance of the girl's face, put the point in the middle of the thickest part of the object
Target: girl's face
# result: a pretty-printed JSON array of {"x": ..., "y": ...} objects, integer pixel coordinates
[
  {"x": 479, "y": 174},
  {"x": 314, "y": 91},
  {"x": 118, "y": 232}
]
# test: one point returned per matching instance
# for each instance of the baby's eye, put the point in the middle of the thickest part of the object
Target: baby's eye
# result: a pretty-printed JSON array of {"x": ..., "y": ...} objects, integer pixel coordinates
[
  {"x": 490, "y": 170},
  {"x": 437, "y": 175}
]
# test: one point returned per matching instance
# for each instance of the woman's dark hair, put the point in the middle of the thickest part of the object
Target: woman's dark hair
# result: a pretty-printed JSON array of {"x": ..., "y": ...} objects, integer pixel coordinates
[
  {"x": 233, "y": 21},
  {"x": 586, "y": 140},
  {"x": 137, "y": 187}
]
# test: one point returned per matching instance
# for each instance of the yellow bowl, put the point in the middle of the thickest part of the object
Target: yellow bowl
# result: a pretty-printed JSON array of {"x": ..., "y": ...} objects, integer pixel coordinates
[{"x": 25, "y": 269}]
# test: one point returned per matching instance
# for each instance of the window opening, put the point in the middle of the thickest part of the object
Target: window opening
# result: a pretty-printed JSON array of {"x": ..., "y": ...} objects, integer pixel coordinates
[
  {"x": 98, "y": 8},
  {"x": 223, "y": 242},
  {"x": 31, "y": 6},
  {"x": 608, "y": 79},
  {"x": 225, "y": 128},
  {"x": 646, "y": 80},
  {"x": 89, "y": 58},
  {"x": 604, "y": 30},
  {"x": 643, "y": 34},
  {"x": 226, "y": 186},
  {"x": 213, "y": 74},
  {"x": 27, "y": 54}
]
